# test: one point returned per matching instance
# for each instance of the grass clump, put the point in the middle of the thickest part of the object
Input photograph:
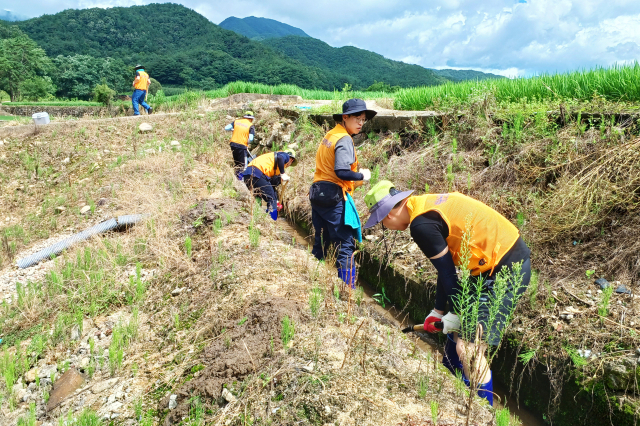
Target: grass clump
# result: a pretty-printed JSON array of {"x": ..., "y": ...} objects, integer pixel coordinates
[{"x": 288, "y": 331}]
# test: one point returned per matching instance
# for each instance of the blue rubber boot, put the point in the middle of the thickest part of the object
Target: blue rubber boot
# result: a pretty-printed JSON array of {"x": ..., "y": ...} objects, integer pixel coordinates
[
  {"x": 240, "y": 175},
  {"x": 273, "y": 214},
  {"x": 348, "y": 276},
  {"x": 485, "y": 390},
  {"x": 450, "y": 358}
]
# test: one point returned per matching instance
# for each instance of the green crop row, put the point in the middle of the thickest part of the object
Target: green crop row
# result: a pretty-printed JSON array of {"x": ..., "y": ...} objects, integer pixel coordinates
[{"x": 617, "y": 83}]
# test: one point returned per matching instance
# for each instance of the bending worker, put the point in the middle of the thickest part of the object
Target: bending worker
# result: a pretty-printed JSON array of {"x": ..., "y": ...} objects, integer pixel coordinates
[
  {"x": 437, "y": 224},
  {"x": 141, "y": 88},
  {"x": 265, "y": 173},
  {"x": 243, "y": 133},
  {"x": 335, "y": 219}
]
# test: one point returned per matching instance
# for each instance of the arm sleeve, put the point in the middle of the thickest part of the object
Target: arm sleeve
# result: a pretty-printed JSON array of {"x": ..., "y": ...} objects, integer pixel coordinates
[
  {"x": 252, "y": 130},
  {"x": 430, "y": 232},
  {"x": 448, "y": 285},
  {"x": 229, "y": 127},
  {"x": 349, "y": 175},
  {"x": 345, "y": 154},
  {"x": 280, "y": 163}
]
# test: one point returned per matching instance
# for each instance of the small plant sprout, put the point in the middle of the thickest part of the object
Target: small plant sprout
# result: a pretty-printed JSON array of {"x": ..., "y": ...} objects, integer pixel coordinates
[
  {"x": 589, "y": 273},
  {"x": 381, "y": 298},
  {"x": 603, "y": 306},
  {"x": 187, "y": 245},
  {"x": 423, "y": 385},
  {"x": 359, "y": 295},
  {"x": 315, "y": 300},
  {"x": 288, "y": 331},
  {"x": 434, "y": 412}
]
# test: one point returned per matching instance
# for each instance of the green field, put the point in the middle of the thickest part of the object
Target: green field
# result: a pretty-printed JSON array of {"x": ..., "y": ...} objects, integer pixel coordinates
[
  {"x": 8, "y": 117},
  {"x": 616, "y": 84}
]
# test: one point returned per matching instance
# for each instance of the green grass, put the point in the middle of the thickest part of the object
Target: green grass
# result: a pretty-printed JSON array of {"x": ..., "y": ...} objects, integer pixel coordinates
[
  {"x": 8, "y": 117},
  {"x": 617, "y": 83}
]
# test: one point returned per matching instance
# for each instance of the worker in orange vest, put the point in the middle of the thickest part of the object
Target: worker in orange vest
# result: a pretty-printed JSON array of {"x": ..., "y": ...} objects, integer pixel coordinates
[
  {"x": 141, "y": 88},
  {"x": 265, "y": 173},
  {"x": 437, "y": 223},
  {"x": 243, "y": 133},
  {"x": 333, "y": 213}
]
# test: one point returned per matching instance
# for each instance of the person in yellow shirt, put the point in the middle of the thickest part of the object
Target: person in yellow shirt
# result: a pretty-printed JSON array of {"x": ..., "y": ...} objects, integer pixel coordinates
[
  {"x": 337, "y": 174},
  {"x": 243, "y": 133},
  {"x": 437, "y": 223},
  {"x": 140, "y": 89}
]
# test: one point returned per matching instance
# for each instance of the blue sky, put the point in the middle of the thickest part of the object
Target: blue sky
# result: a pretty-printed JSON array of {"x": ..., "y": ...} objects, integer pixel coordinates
[{"x": 509, "y": 37}]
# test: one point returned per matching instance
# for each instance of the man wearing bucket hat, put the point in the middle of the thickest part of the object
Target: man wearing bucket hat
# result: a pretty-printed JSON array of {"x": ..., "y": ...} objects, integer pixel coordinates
[
  {"x": 243, "y": 133},
  {"x": 265, "y": 173},
  {"x": 140, "y": 89},
  {"x": 437, "y": 224},
  {"x": 333, "y": 213}
]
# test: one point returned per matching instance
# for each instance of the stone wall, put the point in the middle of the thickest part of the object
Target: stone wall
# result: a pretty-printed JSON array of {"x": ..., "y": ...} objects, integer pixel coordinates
[{"x": 58, "y": 111}]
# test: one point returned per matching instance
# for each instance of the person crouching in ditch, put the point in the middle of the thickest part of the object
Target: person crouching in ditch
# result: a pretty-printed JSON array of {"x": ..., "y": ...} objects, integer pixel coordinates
[
  {"x": 265, "y": 173},
  {"x": 243, "y": 133},
  {"x": 333, "y": 213},
  {"x": 438, "y": 224}
]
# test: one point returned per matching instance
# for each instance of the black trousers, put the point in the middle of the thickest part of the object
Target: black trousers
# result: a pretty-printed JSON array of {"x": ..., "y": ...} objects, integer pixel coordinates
[
  {"x": 240, "y": 154},
  {"x": 264, "y": 189}
]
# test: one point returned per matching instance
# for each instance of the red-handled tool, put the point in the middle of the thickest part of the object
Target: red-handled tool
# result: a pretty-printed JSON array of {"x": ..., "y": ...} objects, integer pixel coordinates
[{"x": 420, "y": 327}]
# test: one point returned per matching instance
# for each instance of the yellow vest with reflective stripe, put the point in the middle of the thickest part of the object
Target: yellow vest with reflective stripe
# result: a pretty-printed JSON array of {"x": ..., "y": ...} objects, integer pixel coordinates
[
  {"x": 144, "y": 81},
  {"x": 266, "y": 163},
  {"x": 492, "y": 235},
  {"x": 241, "y": 131},
  {"x": 326, "y": 160}
]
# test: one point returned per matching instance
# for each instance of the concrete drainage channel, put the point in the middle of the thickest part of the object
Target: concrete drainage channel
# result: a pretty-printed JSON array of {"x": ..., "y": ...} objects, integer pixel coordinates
[{"x": 527, "y": 417}]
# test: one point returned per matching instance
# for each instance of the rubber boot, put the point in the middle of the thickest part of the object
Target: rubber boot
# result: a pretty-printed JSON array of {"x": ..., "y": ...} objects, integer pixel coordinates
[
  {"x": 348, "y": 276},
  {"x": 485, "y": 390},
  {"x": 240, "y": 175},
  {"x": 450, "y": 358},
  {"x": 273, "y": 214}
]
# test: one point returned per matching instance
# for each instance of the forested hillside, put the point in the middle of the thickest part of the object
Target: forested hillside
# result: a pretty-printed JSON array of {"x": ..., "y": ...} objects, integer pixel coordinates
[
  {"x": 464, "y": 75},
  {"x": 260, "y": 28},
  {"x": 177, "y": 45},
  {"x": 364, "y": 66}
]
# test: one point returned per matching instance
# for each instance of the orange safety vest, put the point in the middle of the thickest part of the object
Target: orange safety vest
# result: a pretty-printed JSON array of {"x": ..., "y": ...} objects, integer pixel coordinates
[
  {"x": 143, "y": 83},
  {"x": 326, "y": 160},
  {"x": 266, "y": 163},
  {"x": 241, "y": 131},
  {"x": 492, "y": 235}
]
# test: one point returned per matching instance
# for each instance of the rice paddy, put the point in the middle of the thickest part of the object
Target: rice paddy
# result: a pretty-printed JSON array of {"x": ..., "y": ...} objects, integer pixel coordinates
[{"x": 618, "y": 84}]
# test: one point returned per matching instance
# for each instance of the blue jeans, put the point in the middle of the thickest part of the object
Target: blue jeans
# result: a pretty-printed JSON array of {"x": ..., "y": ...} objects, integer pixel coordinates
[
  {"x": 138, "y": 98},
  {"x": 330, "y": 229}
]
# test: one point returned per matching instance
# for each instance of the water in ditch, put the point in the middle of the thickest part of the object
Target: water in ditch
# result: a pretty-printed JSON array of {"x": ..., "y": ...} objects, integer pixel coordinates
[{"x": 526, "y": 417}]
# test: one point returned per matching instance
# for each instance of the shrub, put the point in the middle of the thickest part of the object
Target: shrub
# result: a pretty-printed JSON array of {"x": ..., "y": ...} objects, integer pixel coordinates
[
  {"x": 154, "y": 86},
  {"x": 103, "y": 94},
  {"x": 37, "y": 88}
]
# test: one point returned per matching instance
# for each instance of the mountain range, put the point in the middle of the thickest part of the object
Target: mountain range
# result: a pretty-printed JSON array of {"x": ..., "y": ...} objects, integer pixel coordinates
[
  {"x": 260, "y": 28},
  {"x": 311, "y": 51}
]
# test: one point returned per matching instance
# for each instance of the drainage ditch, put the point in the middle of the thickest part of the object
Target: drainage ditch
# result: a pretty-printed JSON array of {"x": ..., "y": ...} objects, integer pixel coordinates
[{"x": 426, "y": 344}]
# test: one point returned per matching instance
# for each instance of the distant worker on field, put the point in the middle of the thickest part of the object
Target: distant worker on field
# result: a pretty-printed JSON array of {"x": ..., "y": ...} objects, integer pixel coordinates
[
  {"x": 243, "y": 133},
  {"x": 438, "y": 223},
  {"x": 265, "y": 173},
  {"x": 140, "y": 90},
  {"x": 333, "y": 213}
]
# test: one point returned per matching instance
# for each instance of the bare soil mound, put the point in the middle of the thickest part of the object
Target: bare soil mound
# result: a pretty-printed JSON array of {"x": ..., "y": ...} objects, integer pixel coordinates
[{"x": 240, "y": 349}]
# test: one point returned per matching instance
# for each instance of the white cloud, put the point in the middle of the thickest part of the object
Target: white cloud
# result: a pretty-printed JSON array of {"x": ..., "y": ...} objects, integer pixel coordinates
[{"x": 509, "y": 37}]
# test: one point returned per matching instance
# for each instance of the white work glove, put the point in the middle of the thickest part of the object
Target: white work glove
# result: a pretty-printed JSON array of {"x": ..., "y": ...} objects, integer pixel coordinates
[
  {"x": 366, "y": 174},
  {"x": 285, "y": 177},
  {"x": 450, "y": 323}
]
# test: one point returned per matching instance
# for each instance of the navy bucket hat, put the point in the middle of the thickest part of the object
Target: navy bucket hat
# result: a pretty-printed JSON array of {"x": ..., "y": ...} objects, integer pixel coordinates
[{"x": 354, "y": 106}]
